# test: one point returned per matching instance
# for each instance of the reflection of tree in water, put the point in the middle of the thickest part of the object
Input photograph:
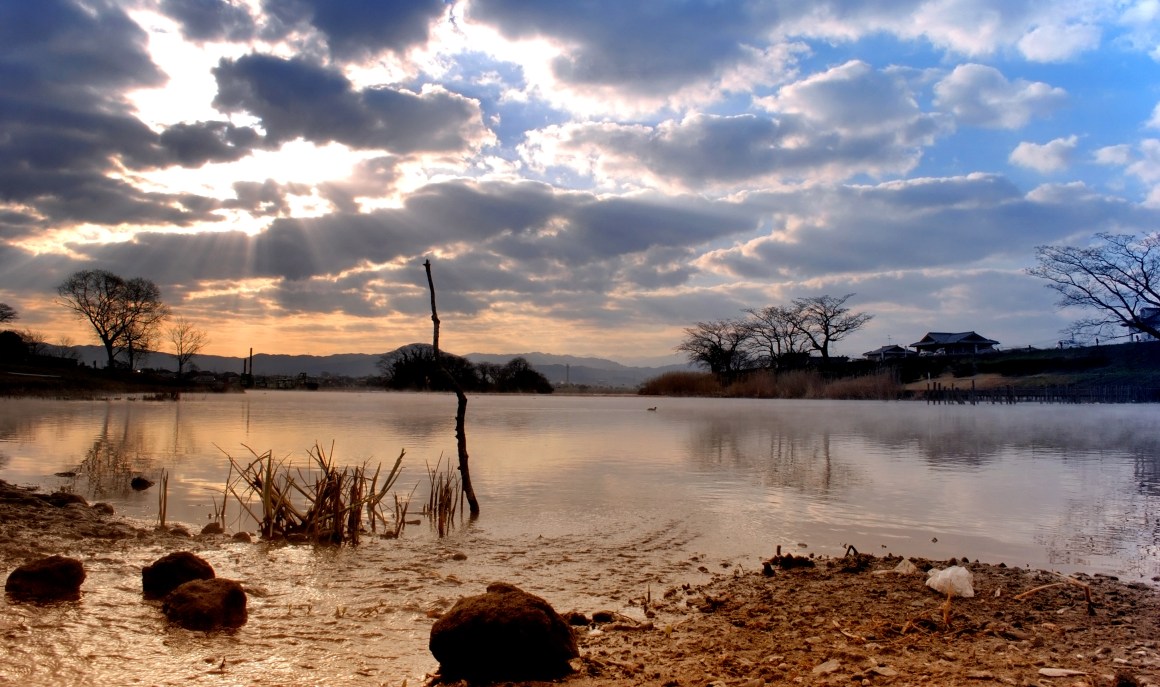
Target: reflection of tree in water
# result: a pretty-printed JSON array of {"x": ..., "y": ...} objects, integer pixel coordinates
[
  {"x": 1103, "y": 528},
  {"x": 1147, "y": 471},
  {"x": 1113, "y": 452},
  {"x": 4, "y": 460},
  {"x": 113, "y": 460},
  {"x": 973, "y": 436},
  {"x": 780, "y": 455}
]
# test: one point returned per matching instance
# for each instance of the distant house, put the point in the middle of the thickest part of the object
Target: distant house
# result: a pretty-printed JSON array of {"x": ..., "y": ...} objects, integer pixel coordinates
[
  {"x": 893, "y": 352},
  {"x": 1150, "y": 316},
  {"x": 957, "y": 343}
]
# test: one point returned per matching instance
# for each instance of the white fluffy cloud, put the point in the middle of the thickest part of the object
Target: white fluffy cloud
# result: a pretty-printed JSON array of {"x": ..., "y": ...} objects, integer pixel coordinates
[
  {"x": 1057, "y": 43},
  {"x": 1053, "y": 156},
  {"x": 979, "y": 95},
  {"x": 1154, "y": 121}
]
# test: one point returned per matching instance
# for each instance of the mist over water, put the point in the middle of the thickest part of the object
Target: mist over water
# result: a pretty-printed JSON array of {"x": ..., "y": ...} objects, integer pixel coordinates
[{"x": 586, "y": 501}]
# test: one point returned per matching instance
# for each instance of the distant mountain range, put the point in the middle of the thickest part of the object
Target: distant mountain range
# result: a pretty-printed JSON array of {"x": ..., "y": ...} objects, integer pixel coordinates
[{"x": 557, "y": 368}]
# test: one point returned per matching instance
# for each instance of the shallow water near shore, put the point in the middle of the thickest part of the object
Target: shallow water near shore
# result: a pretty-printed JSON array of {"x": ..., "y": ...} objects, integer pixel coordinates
[{"x": 591, "y": 502}]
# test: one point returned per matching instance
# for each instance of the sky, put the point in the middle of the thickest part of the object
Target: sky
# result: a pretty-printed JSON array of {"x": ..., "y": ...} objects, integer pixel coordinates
[{"x": 586, "y": 178}]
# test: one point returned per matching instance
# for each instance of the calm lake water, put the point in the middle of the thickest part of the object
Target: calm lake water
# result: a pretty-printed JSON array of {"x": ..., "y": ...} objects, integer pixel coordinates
[{"x": 587, "y": 501}]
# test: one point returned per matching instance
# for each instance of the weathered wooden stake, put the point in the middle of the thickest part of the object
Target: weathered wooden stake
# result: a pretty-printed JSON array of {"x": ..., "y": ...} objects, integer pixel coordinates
[{"x": 461, "y": 412}]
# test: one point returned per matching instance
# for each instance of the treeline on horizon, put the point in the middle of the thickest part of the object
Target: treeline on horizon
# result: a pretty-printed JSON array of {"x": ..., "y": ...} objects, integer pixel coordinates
[
  {"x": 414, "y": 368},
  {"x": 1131, "y": 364}
]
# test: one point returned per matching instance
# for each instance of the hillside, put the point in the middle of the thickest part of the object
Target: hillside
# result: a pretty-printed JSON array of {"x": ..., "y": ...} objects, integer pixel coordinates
[{"x": 558, "y": 369}]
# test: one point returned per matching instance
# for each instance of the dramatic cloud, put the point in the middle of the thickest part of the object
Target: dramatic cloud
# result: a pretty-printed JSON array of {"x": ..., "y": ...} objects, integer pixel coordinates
[
  {"x": 356, "y": 29},
  {"x": 297, "y": 99},
  {"x": 630, "y": 46},
  {"x": 846, "y": 121},
  {"x": 600, "y": 174},
  {"x": 210, "y": 20}
]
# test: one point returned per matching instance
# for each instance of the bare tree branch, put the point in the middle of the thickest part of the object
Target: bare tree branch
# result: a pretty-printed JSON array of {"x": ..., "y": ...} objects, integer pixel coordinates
[
  {"x": 1118, "y": 277},
  {"x": 826, "y": 320}
]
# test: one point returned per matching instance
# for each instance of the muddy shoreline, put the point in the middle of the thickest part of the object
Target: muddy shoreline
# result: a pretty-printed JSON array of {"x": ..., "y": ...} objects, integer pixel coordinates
[{"x": 843, "y": 621}]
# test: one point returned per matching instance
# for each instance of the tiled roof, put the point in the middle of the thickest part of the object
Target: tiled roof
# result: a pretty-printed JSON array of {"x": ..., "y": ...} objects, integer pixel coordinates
[{"x": 944, "y": 338}]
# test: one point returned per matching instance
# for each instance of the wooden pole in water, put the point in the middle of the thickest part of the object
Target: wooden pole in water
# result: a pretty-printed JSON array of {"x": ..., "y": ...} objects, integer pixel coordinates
[{"x": 461, "y": 412}]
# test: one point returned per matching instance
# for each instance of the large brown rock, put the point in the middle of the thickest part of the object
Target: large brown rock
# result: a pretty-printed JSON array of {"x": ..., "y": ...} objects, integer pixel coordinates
[
  {"x": 49, "y": 579},
  {"x": 207, "y": 605},
  {"x": 505, "y": 634},
  {"x": 171, "y": 571}
]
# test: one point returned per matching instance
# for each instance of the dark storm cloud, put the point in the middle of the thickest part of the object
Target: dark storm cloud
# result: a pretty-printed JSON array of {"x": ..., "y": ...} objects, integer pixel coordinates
[
  {"x": 615, "y": 226},
  {"x": 15, "y": 224},
  {"x": 172, "y": 259},
  {"x": 848, "y": 120},
  {"x": 521, "y": 238},
  {"x": 64, "y": 197},
  {"x": 66, "y": 127},
  {"x": 355, "y": 29},
  {"x": 58, "y": 51},
  {"x": 369, "y": 178},
  {"x": 210, "y": 20},
  {"x": 192, "y": 145},
  {"x": 925, "y": 223},
  {"x": 713, "y": 150},
  {"x": 265, "y": 199},
  {"x": 654, "y": 48},
  {"x": 297, "y": 98},
  {"x": 348, "y": 297}
]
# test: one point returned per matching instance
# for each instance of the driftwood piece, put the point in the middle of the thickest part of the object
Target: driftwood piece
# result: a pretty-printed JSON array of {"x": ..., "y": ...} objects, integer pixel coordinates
[
  {"x": 1087, "y": 591},
  {"x": 461, "y": 411}
]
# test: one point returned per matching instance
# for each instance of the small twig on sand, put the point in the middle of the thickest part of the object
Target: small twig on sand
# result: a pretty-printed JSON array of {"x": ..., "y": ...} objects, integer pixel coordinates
[{"x": 1087, "y": 591}]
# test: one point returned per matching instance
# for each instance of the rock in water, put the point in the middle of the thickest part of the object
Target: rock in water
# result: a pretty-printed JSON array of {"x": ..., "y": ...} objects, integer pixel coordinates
[
  {"x": 505, "y": 634},
  {"x": 207, "y": 605},
  {"x": 54, "y": 578},
  {"x": 171, "y": 571}
]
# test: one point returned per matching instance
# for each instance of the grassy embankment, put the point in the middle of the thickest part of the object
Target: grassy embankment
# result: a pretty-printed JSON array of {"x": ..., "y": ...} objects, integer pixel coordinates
[
  {"x": 1134, "y": 365},
  {"x": 48, "y": 379}
]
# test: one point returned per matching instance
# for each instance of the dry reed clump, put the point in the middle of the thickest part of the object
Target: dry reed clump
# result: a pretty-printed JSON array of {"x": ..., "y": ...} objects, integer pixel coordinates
[
  {"x": 324, "y": 504},
  {"x": 883, "y": 386},
  {"x": 682, "y": 384},
  {"x": 770, "y": 384},
  {"x": 773, "y": 384},
  {"x": 445, "y": 498}
]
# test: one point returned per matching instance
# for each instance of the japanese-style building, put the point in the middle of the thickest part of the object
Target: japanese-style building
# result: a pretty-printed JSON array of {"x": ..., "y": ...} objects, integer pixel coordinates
[
  {"x": 957, "y": 343},
  {"x": 894, "y": 352}
]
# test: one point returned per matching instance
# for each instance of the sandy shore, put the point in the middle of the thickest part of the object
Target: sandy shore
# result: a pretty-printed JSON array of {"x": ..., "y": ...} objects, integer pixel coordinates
[{"x": 844, "y": 621}]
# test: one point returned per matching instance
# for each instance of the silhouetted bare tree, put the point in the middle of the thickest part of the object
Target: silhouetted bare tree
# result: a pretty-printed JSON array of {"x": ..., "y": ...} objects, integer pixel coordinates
[
  {"x": 775, "y": 335},
  {"x": 718, "y": 345},
  {"x": 1118, "y": 278},
  {"x": 188, "y": 340},
  {"x": 125, "y": 314},
  {"x": 826, "y": 319}
]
